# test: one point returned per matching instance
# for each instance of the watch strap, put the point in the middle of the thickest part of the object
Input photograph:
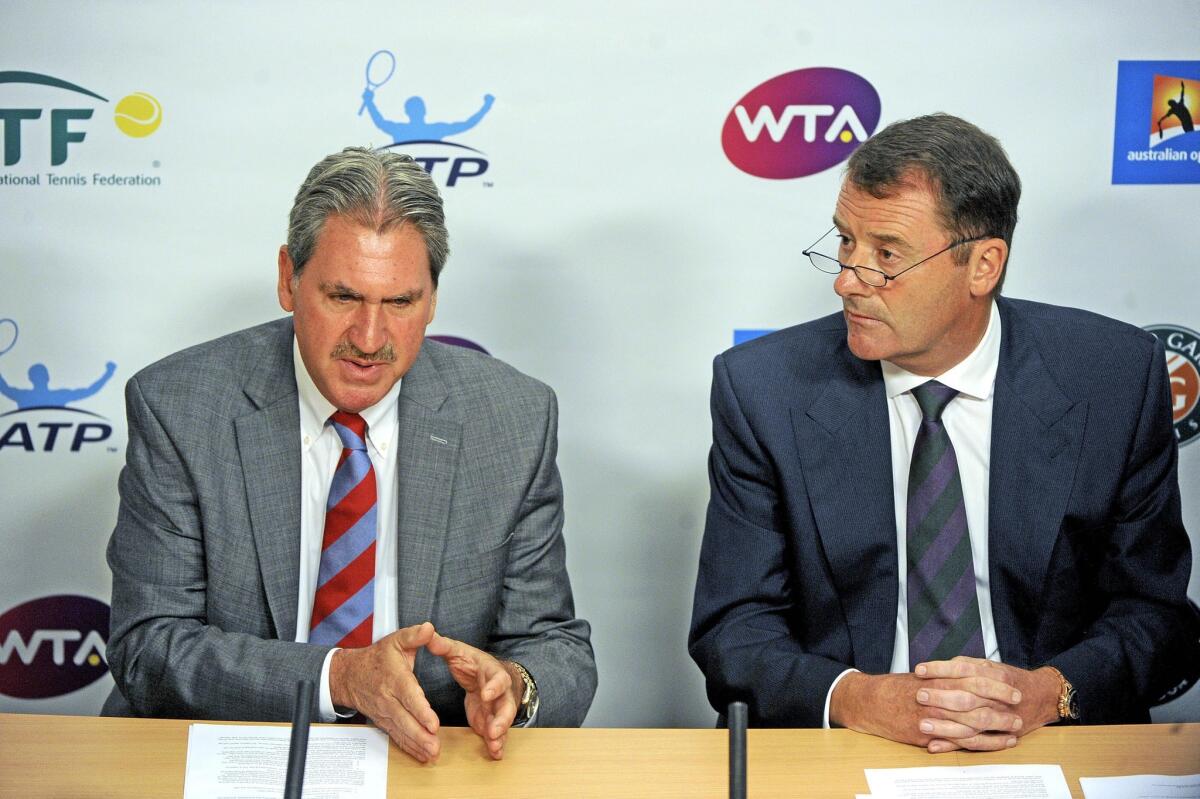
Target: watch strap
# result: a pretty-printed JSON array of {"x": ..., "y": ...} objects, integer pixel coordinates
[
  {"x": 529, "y": 697},
  {"x": 1068, "y": 709}
]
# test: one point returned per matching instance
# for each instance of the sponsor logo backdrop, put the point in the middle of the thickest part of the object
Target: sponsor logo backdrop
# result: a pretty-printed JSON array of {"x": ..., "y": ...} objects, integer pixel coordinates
[{"x": 621, "y": 199}]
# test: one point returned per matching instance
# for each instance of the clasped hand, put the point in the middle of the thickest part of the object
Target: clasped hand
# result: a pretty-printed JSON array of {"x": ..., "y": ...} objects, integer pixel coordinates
[
  {"x": 964, "y": 703},
  {"x": 378, "y": 681}
]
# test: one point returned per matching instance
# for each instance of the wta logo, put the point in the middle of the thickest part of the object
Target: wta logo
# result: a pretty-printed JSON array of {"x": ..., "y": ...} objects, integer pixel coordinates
[
  {"x": 459, "y": 341},
  {"x": 52, "y": 646},
  {"x": 800, "y": 123}
]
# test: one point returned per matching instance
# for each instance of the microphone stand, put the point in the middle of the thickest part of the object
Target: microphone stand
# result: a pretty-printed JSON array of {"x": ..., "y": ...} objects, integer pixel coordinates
[{"x": 298, "y": 748}]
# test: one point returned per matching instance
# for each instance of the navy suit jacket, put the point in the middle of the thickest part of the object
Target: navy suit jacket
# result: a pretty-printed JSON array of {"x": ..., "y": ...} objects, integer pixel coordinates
[{"x": 1087, "y": 555}]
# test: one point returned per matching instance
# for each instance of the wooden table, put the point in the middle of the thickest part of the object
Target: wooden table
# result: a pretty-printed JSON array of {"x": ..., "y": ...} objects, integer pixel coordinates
[{"x": 71, "y": 757}]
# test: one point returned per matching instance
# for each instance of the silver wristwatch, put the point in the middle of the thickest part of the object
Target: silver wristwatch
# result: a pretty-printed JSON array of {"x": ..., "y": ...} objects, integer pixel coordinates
[{"x": 529, "y": 698}]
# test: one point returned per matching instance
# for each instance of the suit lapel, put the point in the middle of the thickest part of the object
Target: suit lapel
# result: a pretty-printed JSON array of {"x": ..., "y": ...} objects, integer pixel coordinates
[
  {"x": 1036, "y": 436},
  {"x": 430, "y": 440},
  {"x": 844, "y": 445},
  {"x": 268, "y": 445}
]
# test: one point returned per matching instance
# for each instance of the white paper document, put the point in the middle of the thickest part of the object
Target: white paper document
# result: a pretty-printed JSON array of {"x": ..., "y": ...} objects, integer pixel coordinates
[
  {"x": 977, "y": 782},
  {"x": 227, "y": 761},
  {"x": 1141, "y": 786}
]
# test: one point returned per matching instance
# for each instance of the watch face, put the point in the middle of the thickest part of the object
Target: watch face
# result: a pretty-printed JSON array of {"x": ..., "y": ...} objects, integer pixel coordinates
[{"x": 1072, "y": 705}]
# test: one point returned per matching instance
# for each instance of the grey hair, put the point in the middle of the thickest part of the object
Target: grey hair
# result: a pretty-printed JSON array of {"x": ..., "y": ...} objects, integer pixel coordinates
[
  {"x": 375, "y": 188},
  {"x": 976, "y": 187}
]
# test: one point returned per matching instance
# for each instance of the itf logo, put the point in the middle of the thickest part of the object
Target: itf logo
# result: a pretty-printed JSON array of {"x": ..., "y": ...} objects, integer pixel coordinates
[
  {"x": 800, "y": 123},
  {"x": 420, "y": 137},
  {"x": 41, "y": 421},
  {"x": 136, "y": 115},
  {"x": 52, "y": 646},
  {"x": 1183, "y": 370},
  {"x": 1155, "y": 138}
]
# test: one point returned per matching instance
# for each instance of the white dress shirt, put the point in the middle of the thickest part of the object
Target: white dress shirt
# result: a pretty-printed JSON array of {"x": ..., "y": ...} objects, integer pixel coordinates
[
  {"x": 320, "y": 449},
  {"x": 968, "y": 422}
]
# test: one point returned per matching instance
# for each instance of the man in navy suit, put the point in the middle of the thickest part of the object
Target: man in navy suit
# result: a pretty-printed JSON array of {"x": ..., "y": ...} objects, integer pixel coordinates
[{"x": 940, "y": 516}]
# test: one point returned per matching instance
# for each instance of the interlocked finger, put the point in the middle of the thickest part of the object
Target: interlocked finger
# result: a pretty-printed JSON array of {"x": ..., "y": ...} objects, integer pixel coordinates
[
  {"x": 945, "y": 728},
  {"x": 985, "y": 742},
  {"x": 983, "y": 719},
  {"x": 975, "y": 693}
]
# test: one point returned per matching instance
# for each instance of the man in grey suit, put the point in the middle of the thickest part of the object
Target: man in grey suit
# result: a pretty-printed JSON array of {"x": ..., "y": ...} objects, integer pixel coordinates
[{"x": 336, "y": 468}]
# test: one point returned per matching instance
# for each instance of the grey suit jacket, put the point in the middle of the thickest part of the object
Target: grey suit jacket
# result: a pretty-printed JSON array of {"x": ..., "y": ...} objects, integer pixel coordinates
[{"x": 205, "y": 553}]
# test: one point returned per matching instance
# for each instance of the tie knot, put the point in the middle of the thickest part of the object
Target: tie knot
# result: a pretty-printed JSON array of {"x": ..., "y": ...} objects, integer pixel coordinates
[
  {"x": 933, "y": 397},
  {"x": 351, "y": 429}
]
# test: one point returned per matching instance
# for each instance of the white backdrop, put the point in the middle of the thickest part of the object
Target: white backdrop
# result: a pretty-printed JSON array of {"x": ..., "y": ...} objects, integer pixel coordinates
[{"x": 610, "y": 249}]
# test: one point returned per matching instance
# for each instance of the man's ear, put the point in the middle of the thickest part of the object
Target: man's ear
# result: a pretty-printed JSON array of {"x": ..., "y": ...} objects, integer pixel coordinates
[
  {"x": 987, "y": 266},
  {"x": 287, "y": 271}
]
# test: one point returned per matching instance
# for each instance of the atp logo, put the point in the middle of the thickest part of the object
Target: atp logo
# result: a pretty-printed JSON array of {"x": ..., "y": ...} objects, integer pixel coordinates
[
  {"x": 52, "y": 646},
  {"x": 136, "y": 115},
  {"x": 42, "y": 421},
  {"x": 419, "y": 136},
  {"x": 1183, "y": 370},
  {"x": 800, "y": 123}
]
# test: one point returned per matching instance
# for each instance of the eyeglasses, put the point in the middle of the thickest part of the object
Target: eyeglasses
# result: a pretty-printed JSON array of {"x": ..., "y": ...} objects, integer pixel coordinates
[{"x": 872, "y": 277}]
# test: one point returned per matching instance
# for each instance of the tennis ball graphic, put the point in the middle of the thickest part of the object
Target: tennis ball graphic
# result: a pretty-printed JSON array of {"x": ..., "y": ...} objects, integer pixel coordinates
[{"x": 138, "y": 115}]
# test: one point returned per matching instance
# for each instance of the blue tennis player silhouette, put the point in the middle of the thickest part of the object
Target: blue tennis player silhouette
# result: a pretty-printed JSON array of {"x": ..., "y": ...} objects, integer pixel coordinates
[
  {"x": 42, "y": 396},
  {"x": 417, "y": 128}
]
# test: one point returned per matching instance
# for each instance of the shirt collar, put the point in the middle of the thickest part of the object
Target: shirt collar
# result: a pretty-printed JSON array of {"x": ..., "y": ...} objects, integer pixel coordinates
[
  {"x": 973, "y": 376},
  {"x": 315, "y": 410}
]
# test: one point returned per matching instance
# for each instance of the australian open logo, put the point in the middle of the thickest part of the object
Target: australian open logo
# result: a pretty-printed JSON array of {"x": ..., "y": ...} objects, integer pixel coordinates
[
  {"x": 43, "y": 420},
  {"x": 1155, "y": 138},
  {"x": 800, "y": 123},
  {"x": 413, "y": 131},
  {"x": 52, "y": 646},
  {"x": 1183, "y": 370}
]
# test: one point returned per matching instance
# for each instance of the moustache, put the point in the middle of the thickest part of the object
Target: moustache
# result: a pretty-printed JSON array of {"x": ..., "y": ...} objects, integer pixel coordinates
[{"x": 385, "y": 354}]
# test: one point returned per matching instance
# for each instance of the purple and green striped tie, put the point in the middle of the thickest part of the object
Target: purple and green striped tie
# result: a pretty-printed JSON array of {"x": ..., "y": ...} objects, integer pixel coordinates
[{"x": 943, "y": 608}]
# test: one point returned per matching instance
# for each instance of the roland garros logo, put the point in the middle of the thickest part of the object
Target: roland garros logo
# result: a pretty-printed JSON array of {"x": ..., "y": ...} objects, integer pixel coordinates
[{"x": 1183, "y": 370}]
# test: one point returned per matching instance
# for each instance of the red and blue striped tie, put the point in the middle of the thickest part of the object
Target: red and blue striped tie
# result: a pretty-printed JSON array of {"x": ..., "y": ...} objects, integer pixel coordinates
[{"x": 343, "y": 608}]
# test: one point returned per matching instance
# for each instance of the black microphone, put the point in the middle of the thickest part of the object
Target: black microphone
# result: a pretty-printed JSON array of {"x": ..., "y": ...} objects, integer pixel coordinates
[
  {"x": 293, "y": 787},
  {"x": 738, "y": 714}
]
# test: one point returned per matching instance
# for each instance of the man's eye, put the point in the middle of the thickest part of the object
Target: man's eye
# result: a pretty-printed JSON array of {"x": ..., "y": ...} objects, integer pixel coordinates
[
  {"x": 887, "y": 255},
  {"x": 341, "y": 297},
  {"x": 401, "y": 302}
]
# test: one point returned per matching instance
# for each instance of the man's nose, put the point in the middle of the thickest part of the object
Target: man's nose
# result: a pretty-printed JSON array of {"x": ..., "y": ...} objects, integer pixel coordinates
[
  {"x": 368, "y": 331},
  {"x": 847, "y": 284}
]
